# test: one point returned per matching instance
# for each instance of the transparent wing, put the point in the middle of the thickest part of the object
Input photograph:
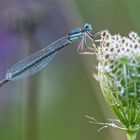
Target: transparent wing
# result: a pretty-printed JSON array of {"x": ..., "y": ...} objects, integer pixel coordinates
[{"x": 36, "y": 61}]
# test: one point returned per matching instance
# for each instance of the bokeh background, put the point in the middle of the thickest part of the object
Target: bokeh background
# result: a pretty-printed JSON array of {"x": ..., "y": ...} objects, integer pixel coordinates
[{"x": 52, "y": 104}]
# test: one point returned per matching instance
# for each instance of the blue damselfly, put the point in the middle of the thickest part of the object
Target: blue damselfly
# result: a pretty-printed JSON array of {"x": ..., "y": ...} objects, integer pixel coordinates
[{"x": 40, "y": 59}]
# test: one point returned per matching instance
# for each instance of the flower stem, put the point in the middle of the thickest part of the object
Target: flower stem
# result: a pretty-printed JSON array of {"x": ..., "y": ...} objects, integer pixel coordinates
[{"x": 131, "y": 135}]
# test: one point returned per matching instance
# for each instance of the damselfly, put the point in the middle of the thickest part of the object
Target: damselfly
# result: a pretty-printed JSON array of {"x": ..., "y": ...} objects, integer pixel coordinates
[{"x": 40, "y": 59}]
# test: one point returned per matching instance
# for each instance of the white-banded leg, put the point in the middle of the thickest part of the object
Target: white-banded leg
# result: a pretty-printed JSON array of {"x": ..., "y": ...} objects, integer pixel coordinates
[
  {"x": 85, "y": 42},
  {"x": 84, "y": 48},
  {"x": 89, "y": 50},
  {"x": 80, "y": 46},
  {"x": 90, "y": 36}
]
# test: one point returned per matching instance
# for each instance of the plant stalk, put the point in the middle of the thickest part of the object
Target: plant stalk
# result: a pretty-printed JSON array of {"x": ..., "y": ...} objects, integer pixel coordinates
[{"x": 131, "y": 135}]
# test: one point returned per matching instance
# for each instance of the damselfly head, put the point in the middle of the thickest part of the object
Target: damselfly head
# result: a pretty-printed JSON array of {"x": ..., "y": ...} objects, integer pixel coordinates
[
  {"x": 84, "y": 46},
  {"x": 87, "y": 27}
]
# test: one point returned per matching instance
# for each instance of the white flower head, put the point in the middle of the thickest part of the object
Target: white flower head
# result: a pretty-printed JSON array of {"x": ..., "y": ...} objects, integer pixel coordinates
[
  {"x": 118, "y": 46},
  {"x": 119, "y": 74}
]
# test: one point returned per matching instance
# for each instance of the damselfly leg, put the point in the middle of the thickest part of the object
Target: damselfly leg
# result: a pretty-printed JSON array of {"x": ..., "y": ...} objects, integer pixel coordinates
[{"x": 83, "y": 47}]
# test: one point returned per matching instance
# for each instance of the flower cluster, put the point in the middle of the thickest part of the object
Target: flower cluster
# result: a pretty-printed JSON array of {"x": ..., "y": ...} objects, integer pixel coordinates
[{"x": 119, "y": 76}]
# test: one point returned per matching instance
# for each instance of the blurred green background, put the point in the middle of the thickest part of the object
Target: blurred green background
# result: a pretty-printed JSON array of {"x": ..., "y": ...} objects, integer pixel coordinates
[{"x": 52, "y": 104}]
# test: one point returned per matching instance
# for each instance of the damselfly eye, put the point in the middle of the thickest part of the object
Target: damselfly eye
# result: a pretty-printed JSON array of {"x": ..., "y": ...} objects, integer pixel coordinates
[{"x": 88, "y": 27}]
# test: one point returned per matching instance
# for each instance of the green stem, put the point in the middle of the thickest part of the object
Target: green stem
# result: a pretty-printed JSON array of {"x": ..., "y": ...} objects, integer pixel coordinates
[{"x": 131, "y": 135}]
